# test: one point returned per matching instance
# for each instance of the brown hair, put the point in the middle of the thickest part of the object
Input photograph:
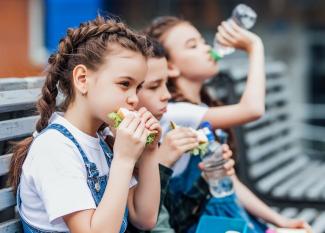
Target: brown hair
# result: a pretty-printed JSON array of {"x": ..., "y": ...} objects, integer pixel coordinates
[
  {"x": 157, "y": 29},
  {"x": 158, "y": 51},
  {"x": 88, "y": 44}
]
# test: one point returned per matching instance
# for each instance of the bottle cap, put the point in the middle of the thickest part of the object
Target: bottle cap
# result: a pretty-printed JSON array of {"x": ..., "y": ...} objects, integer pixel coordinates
[
  {"x": 215, "y": 55},
  {"x": 207, "y": 129}
]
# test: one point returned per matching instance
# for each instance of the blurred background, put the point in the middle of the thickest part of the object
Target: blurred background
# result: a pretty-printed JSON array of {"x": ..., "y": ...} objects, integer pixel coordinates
[{"x": 293, "y": 32}]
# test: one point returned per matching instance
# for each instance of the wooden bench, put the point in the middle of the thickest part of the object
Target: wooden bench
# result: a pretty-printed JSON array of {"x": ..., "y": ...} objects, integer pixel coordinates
[
  {"x": 271, "y": 158},
  {"x": 17, "y": 120}
]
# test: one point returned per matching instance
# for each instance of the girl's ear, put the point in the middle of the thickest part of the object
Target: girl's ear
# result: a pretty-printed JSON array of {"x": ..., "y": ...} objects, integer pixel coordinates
[
  {"x": 173, "y": 71},
  {"x": 79, "y": 75}
]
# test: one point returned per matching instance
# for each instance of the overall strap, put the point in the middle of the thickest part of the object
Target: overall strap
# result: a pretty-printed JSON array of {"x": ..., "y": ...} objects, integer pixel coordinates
[{"x": 107, "y": 151}]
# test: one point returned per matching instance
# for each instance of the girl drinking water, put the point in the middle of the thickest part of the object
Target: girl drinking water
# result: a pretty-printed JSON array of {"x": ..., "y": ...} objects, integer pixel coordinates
[{"x": 189, "y": 65}]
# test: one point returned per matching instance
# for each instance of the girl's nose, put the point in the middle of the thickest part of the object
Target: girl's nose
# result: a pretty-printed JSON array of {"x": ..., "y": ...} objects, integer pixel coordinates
[
  {"x": 166, "y": 95},
  {"x": 133, "y": 100}
]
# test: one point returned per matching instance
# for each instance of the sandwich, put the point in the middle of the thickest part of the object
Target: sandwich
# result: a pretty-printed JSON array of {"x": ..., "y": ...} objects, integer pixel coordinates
[
  {"x": 117, "y": 118},
  {"x": 202, "y": 148}
]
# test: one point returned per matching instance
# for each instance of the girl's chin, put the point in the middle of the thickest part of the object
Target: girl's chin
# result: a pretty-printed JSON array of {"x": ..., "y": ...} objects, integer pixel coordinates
[
  {"x": 209, "y": 73},
  {"x": 212, "y": 74},
  {"x": 208, "y": 76}
]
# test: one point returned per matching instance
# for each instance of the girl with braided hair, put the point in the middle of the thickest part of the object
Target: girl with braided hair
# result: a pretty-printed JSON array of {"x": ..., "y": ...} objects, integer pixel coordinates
[{"x": 60, "y": 175}]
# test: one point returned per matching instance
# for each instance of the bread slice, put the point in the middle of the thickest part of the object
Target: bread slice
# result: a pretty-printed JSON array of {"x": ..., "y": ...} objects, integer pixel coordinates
[{"x": 123, "y": 112}]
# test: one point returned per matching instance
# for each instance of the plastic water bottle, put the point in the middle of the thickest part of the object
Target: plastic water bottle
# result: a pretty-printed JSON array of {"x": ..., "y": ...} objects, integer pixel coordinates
[
  {"x": 220, "y": 185},
  {"x": 243, "y": 16}
]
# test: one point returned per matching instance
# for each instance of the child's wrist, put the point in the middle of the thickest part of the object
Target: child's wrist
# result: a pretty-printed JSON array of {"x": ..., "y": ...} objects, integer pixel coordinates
[
  {"x": 149, "y": 149},
  {"x": 124, "y": 162},
  {"x": 255, "y": 46},
  {"x": 148, "y": 156},
  {"x": 166, "y": 158}
]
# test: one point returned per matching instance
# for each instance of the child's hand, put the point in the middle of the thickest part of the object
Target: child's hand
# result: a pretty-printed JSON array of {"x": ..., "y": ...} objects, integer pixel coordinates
[
  {"x": 151, "y": 124},
  {"x": 294, "y": 223},
  {"x": 130, "y": 138},
  {"x": 175, "y": 144},
  {"x": 228, "y": 166},
  {"x": 231, "y": 35}
]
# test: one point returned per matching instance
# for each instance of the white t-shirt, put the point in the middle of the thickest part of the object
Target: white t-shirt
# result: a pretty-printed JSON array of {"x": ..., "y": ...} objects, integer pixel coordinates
[
  {"x": 186, "y": 115},
  {"x": 54, "y": 177}
]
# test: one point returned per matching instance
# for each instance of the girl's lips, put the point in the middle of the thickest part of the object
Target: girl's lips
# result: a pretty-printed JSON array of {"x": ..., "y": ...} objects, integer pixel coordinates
[{"x": 212, "y": 60}]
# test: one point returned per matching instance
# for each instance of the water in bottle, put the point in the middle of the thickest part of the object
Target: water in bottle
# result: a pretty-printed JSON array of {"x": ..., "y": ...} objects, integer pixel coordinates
[{"x": 220, "y": 185}]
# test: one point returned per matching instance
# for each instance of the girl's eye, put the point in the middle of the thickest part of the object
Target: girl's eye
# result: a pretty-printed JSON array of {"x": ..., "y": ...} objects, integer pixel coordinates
[
  {"x": 192, "y": 45},
  {"x": 125, "y": 84},
  {"x": 153, "y": 87}
]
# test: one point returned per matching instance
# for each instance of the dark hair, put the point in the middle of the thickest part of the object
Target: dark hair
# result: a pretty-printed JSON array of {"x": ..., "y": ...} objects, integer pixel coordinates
[
  {"x": 88, "y": 44},
  {"x": 158, "y": 51},
  {"x": 157, "y": 29}
]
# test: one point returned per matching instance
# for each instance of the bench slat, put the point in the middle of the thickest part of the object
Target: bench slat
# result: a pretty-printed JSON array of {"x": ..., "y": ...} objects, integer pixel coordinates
[
  {"x": 258, "y": 151},
  {"x": 270, "y": 84},
  {"x": 8, "y": 84},
  {"x": 269, "y": 117},
  {"x": 289, "y": 212},
  {"x": 307, "y": 214},
  {"x": 18, "y": 99},
  {"x": 319, "y": 224},
  {"x": 317, "y": 190},
  {"x": 265, "y": 184},
  {"x": 4, "y": 164},
  {"x": 19, "y": 127},
  {"x": 238, "y": 71},
  {"x": 7, "y": 198},
  {"x": 11, "y": 226},
  {"x": 271, "y": 163},
  {"x": 286, "y": 187},
  {"x": 308, "y": 181},
  {"x": 275, "y": 98},
  {"x": 253, "y": 137}
]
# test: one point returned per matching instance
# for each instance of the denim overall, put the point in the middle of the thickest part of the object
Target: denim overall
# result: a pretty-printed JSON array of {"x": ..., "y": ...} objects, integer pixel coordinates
[
  {"x": 227, "y": 206},
  {"x": 97, "y": 184}
]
